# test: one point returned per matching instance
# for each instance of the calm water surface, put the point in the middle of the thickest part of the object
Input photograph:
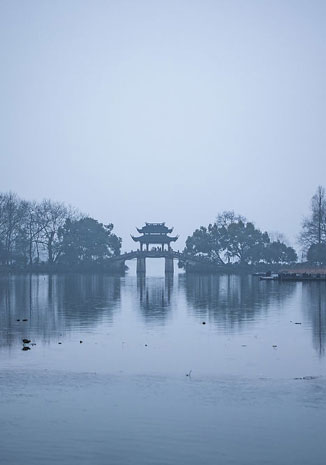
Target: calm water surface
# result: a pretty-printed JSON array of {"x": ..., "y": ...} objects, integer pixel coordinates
[{"x": 256, "y": 393}]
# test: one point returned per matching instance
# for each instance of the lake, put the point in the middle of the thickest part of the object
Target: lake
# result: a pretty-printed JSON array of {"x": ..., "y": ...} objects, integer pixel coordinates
[{"x": 184, "y": 370}]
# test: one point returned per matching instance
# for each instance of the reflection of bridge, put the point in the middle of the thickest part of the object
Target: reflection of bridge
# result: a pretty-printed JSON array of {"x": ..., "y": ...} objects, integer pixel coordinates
[{"x": 169, "y": 255}]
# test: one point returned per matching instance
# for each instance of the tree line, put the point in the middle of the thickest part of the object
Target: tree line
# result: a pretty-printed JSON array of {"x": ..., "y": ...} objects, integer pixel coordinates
[
  {"x": 232, "y": 239},
  {"x": 47, "y": 232}
]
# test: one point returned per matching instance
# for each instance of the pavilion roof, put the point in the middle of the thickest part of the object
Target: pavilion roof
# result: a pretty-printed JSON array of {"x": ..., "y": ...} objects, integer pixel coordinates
[
  {"x": 154, "y": 228},
  {"x": 155, "y": 239}
]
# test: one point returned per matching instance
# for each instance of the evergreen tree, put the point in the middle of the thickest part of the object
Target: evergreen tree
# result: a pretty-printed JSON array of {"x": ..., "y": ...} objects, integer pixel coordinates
[
  {"x": 87, "y": 242},
  {"x": 232, "y": 239}
]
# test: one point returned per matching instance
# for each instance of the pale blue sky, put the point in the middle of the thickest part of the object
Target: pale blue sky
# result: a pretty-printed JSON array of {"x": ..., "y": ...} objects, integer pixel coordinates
[{"x": 169, "y": 111}]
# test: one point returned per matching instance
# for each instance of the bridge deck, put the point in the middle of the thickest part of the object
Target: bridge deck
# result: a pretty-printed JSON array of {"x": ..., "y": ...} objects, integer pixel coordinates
[{"x": 163, "y": 254}]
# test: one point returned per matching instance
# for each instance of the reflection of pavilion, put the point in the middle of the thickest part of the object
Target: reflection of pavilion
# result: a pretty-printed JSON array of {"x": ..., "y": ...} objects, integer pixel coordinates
[{"x": 155, "y": 296}]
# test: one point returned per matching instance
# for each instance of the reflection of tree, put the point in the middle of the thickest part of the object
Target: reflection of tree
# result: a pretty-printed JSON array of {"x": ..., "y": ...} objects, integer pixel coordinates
[
  {"x": 314, "y": 305},
  {"x": 86, "y": 297},
  {"x": 230, "y": 300},
  {"x": 155, "y": 296},
  {"x": 53, "y": 304}
]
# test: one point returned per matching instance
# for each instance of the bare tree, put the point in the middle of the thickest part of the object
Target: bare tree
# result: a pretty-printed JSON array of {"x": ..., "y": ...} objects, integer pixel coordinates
[
  {"x": 314, "y": 226},
  {"x": 12, "y": 213},
  {"x": 53, "y": 217},
  {"x": 276, "y": 236},
  {"x": 33, "y": 226},
  {"x": 228, "y": 217}
]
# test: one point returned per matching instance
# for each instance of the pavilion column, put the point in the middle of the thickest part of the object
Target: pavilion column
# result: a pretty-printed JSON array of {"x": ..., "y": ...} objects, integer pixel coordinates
[
  {"x": 141, "y": 265},
  {"x": 169, "y": 265}
]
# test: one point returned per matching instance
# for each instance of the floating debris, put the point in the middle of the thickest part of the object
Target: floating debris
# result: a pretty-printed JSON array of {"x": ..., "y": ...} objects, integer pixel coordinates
[
  {"x": 33, "y": 344},
  {"x": 297, "y": 323},
  {"x": 274, "y": 346},
  {"x": 244, "y": 345}
]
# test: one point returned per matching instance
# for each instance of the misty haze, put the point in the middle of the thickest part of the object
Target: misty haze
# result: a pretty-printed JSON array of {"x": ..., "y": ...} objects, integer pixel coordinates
[{"x": 162, "y": 232}]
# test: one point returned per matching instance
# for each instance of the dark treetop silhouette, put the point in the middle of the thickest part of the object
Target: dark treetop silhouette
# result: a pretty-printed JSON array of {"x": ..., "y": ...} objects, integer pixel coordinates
[{"x": 233, "y": 240}]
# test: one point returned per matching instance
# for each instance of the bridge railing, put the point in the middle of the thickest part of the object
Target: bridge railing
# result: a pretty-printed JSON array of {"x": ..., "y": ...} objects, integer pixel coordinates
[{"x": 163, "y": 254}]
